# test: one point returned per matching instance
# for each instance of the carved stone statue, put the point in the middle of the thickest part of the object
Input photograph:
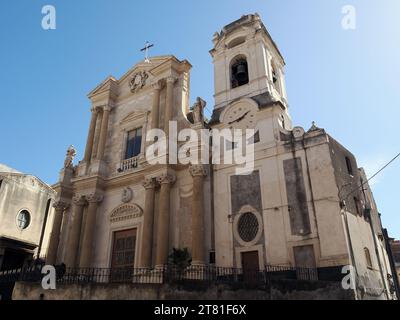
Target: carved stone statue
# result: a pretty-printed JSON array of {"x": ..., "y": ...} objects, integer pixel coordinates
[
  {"x": 69, "y": 158},
  {"x": 198, "y": 110}
]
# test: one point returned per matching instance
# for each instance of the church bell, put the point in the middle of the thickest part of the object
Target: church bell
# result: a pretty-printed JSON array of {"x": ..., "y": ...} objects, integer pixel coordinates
[{"x": 241, "y": 73}]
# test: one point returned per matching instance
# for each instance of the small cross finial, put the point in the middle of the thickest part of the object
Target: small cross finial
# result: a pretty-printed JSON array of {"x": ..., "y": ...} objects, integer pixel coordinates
[{"x": 146, "y": 48}]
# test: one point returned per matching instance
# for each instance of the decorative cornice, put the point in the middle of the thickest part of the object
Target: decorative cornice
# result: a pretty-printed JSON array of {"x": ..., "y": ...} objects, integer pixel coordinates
[
  {"x": 166, "y": 178},
  {"x": 197, "y": 170}
]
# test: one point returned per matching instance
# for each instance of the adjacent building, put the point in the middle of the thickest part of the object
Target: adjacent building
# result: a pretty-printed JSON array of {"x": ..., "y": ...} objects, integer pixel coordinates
[
  {"x": 26, "y": 215},
  {"x": 395, "y": 244},
  {"x": 305, "y": 204}
]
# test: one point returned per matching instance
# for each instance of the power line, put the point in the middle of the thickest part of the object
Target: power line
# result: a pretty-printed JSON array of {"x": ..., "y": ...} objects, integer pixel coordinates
[{"x": 374, "y": 175}]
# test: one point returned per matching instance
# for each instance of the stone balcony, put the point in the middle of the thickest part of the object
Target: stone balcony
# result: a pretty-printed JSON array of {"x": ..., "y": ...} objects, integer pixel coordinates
[{"x": 129, "y": 164}]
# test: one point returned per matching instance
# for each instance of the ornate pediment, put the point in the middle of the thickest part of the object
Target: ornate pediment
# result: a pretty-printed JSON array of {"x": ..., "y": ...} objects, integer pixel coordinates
[
  {"x": 133, "y": 116},
  {"x": 126, "y": 211}
]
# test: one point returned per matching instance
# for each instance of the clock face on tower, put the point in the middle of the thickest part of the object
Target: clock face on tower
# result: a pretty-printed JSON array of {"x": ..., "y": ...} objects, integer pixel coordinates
[{"x": 241, "y": 115}]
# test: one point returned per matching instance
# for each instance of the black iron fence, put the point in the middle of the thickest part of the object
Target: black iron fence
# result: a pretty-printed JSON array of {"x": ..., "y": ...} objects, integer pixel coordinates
[{"x": 167, "y": 274}]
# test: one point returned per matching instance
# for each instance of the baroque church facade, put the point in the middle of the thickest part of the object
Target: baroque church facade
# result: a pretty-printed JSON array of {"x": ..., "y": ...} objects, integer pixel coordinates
[{"x": 301, "y": 206}]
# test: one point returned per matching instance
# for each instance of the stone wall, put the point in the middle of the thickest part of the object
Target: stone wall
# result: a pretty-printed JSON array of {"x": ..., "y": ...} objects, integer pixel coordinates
[{"x": 278, "y": 290}]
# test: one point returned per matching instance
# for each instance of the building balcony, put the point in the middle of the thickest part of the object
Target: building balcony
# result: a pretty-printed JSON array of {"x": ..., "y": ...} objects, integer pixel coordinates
[{"x": 129, "y": 164}]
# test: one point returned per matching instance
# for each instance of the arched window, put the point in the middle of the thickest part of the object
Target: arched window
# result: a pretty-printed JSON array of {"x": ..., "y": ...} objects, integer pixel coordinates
[
  {"x": 275, "y": 78},
  {"x": 239, "y": 72},
  {"x": 368, "y": 257}
]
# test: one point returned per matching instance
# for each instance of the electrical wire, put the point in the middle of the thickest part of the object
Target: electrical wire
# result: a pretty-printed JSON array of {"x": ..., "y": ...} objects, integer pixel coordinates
[{"x": 374, "y": 175}]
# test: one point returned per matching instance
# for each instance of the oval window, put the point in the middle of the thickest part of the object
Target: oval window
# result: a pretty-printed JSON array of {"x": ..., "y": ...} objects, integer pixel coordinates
[{"x": 23, "y": 219}]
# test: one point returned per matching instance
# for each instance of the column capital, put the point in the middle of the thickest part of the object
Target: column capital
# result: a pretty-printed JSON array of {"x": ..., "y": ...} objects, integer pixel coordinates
[
  {"x": 149, "y": 183},
  {"x": 106, "y": 108},
  {"x": 157, "y": 85},
  {"x": 171, "y": 79},
  {"x": 94, "y": 198},
  {"x": 60, "y": 205},
  {"x": 166, "y": 178},
  {"x": 78, "y": 200},
  {"x": 94, "y": 109},
  {"x": 197, "y": 170}
]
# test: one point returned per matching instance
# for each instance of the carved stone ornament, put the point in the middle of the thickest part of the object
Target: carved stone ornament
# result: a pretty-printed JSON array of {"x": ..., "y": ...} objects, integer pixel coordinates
[
  {"x": 197, "y": 170},
  {"x": 94, "y": 198},
  {"x": 125, "y": 212},
  {"x": 149, "y": 183},
  {"x": 69, "y": 157},
  {"x": 127, "y": 195},
  {"x": 60, "y": 205},
  {"x": 138, "y": 81},
  {"x": 78, "y": 200},
  {"x": 166, "y": 178}
]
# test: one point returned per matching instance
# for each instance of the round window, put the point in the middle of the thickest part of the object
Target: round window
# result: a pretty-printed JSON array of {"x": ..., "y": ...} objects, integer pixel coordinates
[
  {"x": 248, "y": 226},
  {"x": 23, "y": 219}
]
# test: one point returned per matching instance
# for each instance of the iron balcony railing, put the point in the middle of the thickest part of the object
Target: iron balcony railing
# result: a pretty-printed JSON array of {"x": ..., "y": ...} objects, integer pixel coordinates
[{"x": 168, "y": 274}]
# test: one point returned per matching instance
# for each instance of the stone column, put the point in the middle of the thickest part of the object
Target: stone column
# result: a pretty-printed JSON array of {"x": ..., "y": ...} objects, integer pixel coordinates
[
  {"x": 88, "y": 231},
  {"x": 90, "y": 138},
  {"x": 156, "y": 105},
  {"x": 97, "y": 134},
  {"x": 103, "y": 133},
  {"x": 75, "y": 232},
  {"x": 198, "y": 173},
  {"x": 165, "y": 181},
  {"x": 59, "y": 208},
  {"x": 169, "y": 103},
  {"x": 148, "y": 221}
]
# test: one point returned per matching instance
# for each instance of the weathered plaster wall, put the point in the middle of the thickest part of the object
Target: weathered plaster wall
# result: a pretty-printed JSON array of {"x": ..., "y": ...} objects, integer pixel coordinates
[{"x": 279, "y": 290}]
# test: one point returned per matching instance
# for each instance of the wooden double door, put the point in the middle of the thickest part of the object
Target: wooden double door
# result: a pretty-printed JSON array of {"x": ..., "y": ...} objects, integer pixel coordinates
[
  {"x": 250, "y": 266},
  {"x": 123, "y": 254}
]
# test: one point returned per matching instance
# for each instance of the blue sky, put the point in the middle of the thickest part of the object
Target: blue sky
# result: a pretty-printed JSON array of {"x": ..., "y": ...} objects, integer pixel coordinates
[{"x": 346, "y": 81}]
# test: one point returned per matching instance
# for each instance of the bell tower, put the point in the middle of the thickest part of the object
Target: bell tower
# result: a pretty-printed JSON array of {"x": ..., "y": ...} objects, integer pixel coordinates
[{"x": 247, "y": 62}]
